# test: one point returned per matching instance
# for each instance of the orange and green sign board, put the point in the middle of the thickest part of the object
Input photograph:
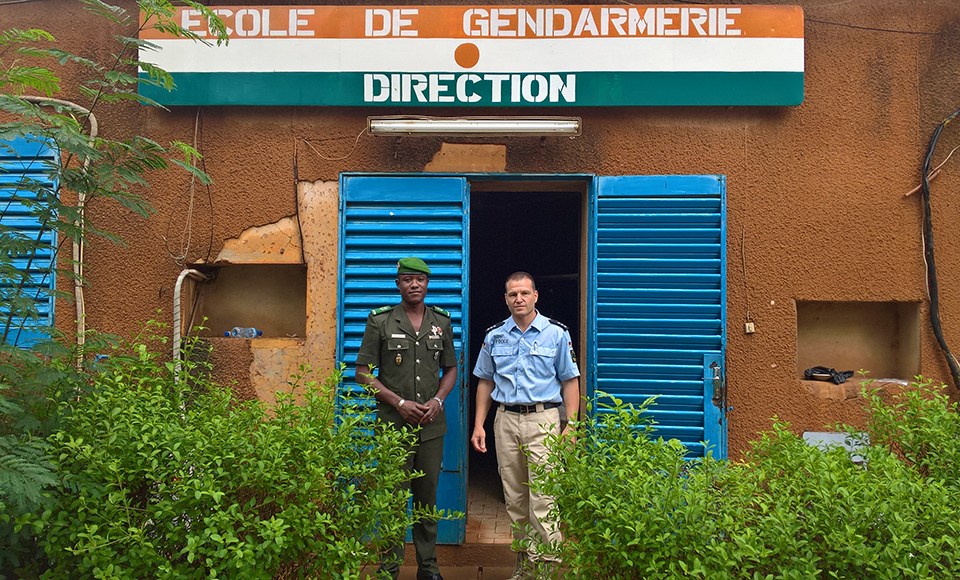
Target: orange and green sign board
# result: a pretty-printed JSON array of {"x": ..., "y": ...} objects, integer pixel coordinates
[{"x": 487, "y": 56}]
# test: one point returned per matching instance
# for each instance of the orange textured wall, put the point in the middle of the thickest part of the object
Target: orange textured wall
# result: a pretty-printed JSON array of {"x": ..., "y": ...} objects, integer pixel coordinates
[{"x": 815, "y": 192}]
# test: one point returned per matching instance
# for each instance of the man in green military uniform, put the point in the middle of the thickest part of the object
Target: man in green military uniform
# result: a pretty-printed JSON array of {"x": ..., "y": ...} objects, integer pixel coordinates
[{"x": 410, "y": 344}]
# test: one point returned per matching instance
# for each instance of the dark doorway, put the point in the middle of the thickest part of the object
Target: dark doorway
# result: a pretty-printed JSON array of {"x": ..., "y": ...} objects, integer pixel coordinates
[{"x": 534, "y": 231}]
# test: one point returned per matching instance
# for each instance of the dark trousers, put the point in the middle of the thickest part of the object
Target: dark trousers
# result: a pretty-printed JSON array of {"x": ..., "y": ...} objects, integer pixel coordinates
[{"x": 425, "y": 456}]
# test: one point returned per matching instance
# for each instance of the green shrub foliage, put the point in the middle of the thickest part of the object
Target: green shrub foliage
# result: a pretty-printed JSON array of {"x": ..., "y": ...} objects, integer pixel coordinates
[
  {"x": 165, "y": 481},
  {"x": 634, "y": 508},
  {"x": 921, "y": 427},
  {"x": 36, "y": 74}
]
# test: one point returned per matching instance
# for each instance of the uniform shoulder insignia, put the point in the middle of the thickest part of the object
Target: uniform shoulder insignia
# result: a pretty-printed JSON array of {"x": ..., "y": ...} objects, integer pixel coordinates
[
  {"x": 560, "y": 324},
  {"x": 441, "y": 311},
  {"x": 381, "y": 310},
  {"x": 495, "y": 326}
]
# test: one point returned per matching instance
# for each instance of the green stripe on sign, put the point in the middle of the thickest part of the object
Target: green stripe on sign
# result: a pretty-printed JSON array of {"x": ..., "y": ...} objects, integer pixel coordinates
[{"x": 589, "y": 89}]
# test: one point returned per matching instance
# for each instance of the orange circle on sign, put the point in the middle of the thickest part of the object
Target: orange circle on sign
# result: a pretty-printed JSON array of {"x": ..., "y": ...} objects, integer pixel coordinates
[{"x": 467, "y": 55}]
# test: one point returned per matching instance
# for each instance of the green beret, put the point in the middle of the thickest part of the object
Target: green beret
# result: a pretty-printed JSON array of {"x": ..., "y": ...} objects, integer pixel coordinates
[{"x": 412, "y": 266}]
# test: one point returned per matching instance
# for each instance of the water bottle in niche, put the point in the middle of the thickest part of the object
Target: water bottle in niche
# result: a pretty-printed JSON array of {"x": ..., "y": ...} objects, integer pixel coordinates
[{"x": 243, "y": 332}]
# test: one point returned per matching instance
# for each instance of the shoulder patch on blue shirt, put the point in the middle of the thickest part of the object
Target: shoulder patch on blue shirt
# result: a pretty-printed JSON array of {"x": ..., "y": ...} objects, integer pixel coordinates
[
  {"x": 495, "y": 326},
  {"x": 441, "y": 311},
  {"x": 560, "y": 324},
  {"x": 381, "y": 310}
]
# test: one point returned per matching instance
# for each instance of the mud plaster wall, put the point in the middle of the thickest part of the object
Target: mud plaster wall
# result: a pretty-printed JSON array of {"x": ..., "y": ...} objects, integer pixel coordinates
[
  {"x": 815, "y": 191},
  {"x": 275, "y": 363}
]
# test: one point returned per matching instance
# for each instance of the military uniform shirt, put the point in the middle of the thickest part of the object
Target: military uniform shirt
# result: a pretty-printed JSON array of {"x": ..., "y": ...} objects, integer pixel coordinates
[
  {"x": 408, "y": 363},
  {"x": 527, "y": 367}
]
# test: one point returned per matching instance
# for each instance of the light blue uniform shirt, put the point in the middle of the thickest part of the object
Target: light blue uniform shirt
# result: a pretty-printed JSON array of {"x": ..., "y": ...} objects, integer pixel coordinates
[{"x": 527, "y": 367}]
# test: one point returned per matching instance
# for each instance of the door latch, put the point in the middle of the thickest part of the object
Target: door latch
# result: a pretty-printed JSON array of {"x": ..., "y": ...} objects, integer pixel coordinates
[{"x": 718, "y": 394}]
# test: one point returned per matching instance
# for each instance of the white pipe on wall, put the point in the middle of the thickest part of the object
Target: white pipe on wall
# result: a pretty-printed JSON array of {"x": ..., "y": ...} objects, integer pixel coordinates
[{"x": 177, "y": 322}]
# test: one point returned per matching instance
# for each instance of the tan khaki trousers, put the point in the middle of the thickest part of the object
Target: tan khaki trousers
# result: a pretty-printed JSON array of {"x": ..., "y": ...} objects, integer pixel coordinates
[{"x": 516, "y": 433}]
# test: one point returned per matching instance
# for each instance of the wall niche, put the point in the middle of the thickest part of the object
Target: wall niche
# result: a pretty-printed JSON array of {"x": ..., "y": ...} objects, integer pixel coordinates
[
  {"x": 882, "y": 338},
  {"x": 269, "y": 297}
]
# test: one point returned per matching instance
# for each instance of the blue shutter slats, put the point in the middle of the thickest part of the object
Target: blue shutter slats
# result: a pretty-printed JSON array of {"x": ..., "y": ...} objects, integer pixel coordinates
[
  {"x": 25, "y": 166},
  {"x": 665, "y": 325},
  {"x": 658, "y": 283},
  {"x": 384, "y": 219}
]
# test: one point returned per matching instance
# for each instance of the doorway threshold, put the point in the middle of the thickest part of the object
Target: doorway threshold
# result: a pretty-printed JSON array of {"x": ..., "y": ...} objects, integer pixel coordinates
[{"x": 487, "y": 519}]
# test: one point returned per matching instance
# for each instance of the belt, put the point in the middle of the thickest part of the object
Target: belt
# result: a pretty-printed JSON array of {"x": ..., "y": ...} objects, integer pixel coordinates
[{"x": 527, "y": 409}]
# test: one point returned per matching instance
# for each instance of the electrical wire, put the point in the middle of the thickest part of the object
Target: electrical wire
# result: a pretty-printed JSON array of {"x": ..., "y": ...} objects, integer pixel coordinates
[
  {"x": 321, "y": 156},
  {"x": 889, "y": 30},
  {"x": 296, "y": 198},
  {"x": 934, "y": 173},
  {"x": 928, "y": 252},
  {"x": 743, "y": 264},
  {"x": 186, "y": 234},
  {"x": 203, "y": 167},
  {"x": 198, "y": 288},
  {"x": 828, "y": 22}
]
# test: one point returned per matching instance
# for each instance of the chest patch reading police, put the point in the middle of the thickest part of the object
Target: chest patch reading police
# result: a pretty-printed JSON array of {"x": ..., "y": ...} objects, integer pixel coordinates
[{"x": 500, "y": 340}]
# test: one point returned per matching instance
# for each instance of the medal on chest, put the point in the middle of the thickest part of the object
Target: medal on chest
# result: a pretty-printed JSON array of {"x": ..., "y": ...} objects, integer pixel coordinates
[
  {"x": 436, "y": 355},
  {"x": 399, "y": 359}
]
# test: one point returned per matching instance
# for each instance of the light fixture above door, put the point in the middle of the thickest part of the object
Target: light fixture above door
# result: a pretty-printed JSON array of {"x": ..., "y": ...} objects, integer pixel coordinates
[{"x": 501, "y": 126}]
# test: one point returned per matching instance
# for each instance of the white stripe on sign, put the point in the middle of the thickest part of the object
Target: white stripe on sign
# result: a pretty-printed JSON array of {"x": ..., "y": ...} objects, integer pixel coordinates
[{"x": 496, "y": 55}]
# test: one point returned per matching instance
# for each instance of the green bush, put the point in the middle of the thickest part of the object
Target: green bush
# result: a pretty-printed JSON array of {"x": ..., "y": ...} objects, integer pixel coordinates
[
  {"x": 802, "y": 512},
  {"x": 167, "y": 480},
  {"x": 91, "y": 168},
  {"x": 634, "y": 508},
  {"x": 32, "y": 385},
  {"x": 921, "y": 426}
]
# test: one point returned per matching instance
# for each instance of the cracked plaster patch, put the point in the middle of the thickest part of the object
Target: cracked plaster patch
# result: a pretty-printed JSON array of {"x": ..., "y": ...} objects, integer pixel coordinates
[
  {"x": 277, "y": 243},
  {"x": 456, "y": 157},
  {"x": 275, "y": 361}
]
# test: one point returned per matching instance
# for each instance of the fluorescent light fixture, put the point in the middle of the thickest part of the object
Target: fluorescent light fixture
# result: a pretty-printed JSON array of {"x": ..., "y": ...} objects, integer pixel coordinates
[{"x": 529, "y": 126}]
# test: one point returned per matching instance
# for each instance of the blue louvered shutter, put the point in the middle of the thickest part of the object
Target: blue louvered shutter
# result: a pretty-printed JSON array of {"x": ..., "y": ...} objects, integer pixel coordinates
[
  {"x": 658, "y": 310},
  {"x": 27, "y": 169},
  {"x": 384, "y": 219}
]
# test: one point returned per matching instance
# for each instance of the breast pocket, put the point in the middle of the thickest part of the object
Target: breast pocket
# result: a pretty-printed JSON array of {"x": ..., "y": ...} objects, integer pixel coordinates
[
  {"x": 505, "y": 358},
  {"x": 544, "y": 352},
  {"x": 435, "y": 351},
  {"x": 398, "y": 344},
  {"x": 507, "y": 350},
  {"x": 541, "y": 362}
]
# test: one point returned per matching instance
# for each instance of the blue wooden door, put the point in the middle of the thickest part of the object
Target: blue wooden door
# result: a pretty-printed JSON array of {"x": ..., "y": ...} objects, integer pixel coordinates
[
  {"x": 657, "y": 305},
  {"x": 387, "y": 218},
  {"x": 27, "y": 174}
]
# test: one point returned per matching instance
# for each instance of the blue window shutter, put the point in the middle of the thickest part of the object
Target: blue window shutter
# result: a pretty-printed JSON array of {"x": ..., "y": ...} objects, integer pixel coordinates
[
  {"x": 383, "y": 219},
  {"x": 657, "y": 317},
  {"x": 27, "y": 165}
]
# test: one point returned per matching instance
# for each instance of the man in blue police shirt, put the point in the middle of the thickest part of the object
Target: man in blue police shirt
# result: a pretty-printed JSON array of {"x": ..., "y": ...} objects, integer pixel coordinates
[{"x": 527, "y": 366}]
